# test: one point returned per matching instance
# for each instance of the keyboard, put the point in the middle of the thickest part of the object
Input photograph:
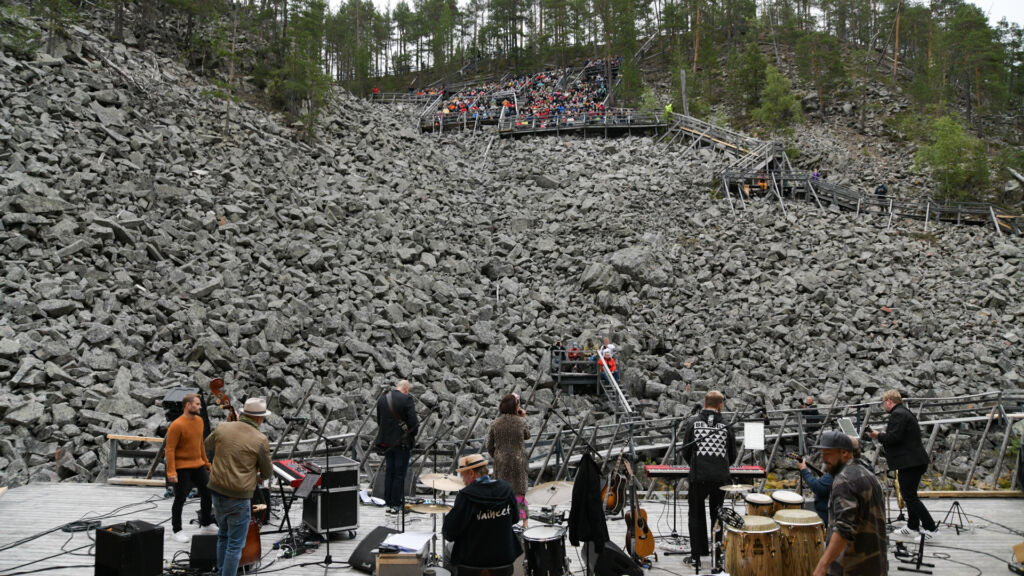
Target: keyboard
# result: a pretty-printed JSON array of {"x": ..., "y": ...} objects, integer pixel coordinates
[{"x": 659, "y": 471}]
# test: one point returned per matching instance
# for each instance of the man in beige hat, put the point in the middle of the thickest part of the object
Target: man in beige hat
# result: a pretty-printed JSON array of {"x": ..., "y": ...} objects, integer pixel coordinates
[
  {"x": 241, "y": 459},
  {"x": 480, "y": 523}
]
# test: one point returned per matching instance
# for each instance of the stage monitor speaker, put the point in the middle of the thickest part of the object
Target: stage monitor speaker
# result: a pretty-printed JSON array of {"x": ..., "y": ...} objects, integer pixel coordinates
[
  {"x": 133, "y": 548},
  {"x": 203, "y": 554},
  {"x": 363, "y": 557},
  {"x": 378, "y": 484},
  {"x": 614, "y": 562}
]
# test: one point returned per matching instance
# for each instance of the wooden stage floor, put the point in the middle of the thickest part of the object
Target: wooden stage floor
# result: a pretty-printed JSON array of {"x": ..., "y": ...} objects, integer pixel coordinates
[{"x": 41, "y": 509}]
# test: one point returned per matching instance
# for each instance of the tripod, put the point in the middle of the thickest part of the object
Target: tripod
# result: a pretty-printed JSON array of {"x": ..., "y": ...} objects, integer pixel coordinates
[{"x": 956, "y": 512}]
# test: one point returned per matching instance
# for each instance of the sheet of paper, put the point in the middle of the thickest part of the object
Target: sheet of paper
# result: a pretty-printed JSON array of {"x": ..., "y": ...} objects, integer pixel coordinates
[
  {"x": 408, "y": 541},
  {"x": 753, "y": 435}
]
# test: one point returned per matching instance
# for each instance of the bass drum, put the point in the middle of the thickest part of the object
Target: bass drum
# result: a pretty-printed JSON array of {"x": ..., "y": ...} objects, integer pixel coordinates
[
  {"x": 754, "y": 549},
  {"x": 802, "y": 536},
  {"x": 544, "y": 547},
  {"x": 759, "y": 504}
]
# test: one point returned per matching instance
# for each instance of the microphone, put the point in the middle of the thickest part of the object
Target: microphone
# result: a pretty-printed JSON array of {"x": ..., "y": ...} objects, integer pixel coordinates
[{"x": 295, "y": 418}]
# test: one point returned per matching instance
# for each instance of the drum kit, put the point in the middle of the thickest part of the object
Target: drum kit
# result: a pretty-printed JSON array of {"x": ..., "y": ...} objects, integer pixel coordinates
[
  {"x": 777, "y": 536},
  {"x": 543, "y": 546}
]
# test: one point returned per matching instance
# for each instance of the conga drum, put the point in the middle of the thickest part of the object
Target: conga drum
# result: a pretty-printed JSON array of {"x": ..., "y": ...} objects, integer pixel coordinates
[
  {"x": 802, "y": 538},
  {"x": 754, "y": 549},
  {"x": 759, "y": 504},
  {"x": 786, "y": 500}
]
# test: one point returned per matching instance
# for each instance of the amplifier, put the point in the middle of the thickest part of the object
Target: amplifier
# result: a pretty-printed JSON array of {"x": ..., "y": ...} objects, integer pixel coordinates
[
  {"x": 339, "y": 507},
  {"x": 342, "y": 473},
  {"x": 203, "y": 553},
  {"x": 133, "y": 548}
]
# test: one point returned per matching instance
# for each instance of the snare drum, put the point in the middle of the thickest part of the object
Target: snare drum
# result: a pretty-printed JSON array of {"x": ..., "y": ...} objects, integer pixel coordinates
[
  {"x": 759, "y": 504},
  {"x": 786, "y": 500},
  {"x": 802, "y": 539},
  {"x": 754, "y": 549},
  {"x": 544, "y": 547}
]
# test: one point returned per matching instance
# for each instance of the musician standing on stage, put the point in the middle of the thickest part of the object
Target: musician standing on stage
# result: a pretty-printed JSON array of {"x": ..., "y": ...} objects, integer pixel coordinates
[
  {"x": 709, "y": 448},
  {"x": 821, "y": 487},
  {"x": 856, "y": 528},
  {"x": 241, "y": 460},
  {"x": 187, "y": 465},
  {"x": 506, "y": 443},
  {"x": 905, "y": 453},
  {"x": 480, "y": 523},
  {"x": 396, "y": 432}
]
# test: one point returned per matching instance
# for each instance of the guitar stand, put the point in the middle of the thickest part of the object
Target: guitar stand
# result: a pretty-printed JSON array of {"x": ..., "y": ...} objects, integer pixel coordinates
[
  {"x": 957, "y": 512},
  {"x": 916, "y": 560}
]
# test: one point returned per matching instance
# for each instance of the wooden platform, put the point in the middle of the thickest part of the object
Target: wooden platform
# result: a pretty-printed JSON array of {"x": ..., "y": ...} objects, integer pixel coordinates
[{"x": 39, "y": 508}]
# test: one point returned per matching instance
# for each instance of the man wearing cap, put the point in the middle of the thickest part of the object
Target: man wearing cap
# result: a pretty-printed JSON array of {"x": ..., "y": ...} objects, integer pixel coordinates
[
  {"x": 241, "y": 459},
  {"x": 480, "y": 523},
  {"x": 906, "y": 454},
  {"x": 856, "y": 521}
]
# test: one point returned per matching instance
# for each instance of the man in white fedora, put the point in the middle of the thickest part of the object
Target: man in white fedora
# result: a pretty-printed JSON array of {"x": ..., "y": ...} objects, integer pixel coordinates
[
  {"x": 480, "y": 523},
  {"x": 241, "y": 460}
]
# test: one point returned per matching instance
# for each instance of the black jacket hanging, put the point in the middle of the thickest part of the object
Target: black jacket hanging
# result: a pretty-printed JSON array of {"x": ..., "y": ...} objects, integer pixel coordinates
[{"x": 586, "y": 517}]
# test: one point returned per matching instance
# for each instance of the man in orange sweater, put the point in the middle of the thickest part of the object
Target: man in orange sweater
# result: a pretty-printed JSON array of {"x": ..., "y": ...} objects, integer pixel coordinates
[{"x": 187, "y": 465}]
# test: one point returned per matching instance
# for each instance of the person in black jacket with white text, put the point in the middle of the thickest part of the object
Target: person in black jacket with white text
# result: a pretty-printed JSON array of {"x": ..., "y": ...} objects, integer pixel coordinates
[
  {"x": 709, "y": 448},
  {"x": 905, "y": 454},
  {"x": 396, "y": 433},
  {"x": 480, "y": 523}
]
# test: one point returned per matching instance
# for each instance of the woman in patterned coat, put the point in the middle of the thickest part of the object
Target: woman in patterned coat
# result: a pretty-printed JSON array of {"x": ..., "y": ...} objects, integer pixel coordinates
[{"x": 507, "y": 447}]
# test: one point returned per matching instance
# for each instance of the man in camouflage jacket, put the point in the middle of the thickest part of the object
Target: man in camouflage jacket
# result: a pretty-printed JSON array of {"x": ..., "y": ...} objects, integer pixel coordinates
[{"x": 857, "y": 540}]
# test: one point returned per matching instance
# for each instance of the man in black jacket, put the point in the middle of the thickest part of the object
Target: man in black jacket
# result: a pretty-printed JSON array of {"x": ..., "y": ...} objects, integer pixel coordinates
[
  {"x": 396, "y": 433},
  {"x": 480, "y": 523},
  {"x": 709, "y": 448},
  {"x": 905, "y": 454}
]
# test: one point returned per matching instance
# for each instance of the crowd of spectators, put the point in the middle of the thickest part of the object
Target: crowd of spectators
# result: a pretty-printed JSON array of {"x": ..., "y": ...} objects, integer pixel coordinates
[{"x": 564, "y": 96}]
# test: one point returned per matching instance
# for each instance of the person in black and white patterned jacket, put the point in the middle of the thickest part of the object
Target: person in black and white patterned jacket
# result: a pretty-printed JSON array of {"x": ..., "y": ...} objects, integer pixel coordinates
[{"x": 709, "y": 448}]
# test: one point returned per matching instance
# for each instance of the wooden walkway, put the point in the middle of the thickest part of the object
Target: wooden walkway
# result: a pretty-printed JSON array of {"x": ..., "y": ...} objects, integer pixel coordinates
[{"x": 44, "y": 508}]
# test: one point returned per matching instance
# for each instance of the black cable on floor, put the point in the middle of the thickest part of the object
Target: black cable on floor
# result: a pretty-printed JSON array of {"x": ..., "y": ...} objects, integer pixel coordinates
[{"x": 48, "y": 568}]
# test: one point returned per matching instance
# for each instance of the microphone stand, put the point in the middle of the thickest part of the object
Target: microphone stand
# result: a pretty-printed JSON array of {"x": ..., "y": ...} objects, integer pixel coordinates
[{"x": 325, "y": 503}]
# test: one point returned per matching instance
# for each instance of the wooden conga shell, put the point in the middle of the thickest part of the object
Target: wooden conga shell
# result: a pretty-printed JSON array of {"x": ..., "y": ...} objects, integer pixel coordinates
[
  {"x": 754, "y": 549},
  {"x": 786, "y": 500},
  {"x": 802, "y": 539}
]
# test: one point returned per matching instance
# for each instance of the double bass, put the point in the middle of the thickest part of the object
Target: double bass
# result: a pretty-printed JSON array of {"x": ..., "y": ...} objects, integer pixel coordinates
[{"x": 253, "y": 549}]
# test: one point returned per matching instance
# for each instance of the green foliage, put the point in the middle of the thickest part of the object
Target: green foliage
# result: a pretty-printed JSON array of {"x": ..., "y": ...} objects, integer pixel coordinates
[
  {"x": 59, "y": 14},
  {"x": 820, "y": 61},
  {"x": 779, "y": 109},
  {"x": 955, "y": 159},
  {"x": 18, "y": 34},
  {"x": 649, "y": 102},
  {"x": 299, "y": 84},
  {"x": 746, "y": 81}
]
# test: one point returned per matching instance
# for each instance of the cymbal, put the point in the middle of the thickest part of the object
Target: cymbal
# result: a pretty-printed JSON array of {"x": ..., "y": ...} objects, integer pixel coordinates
[
  {"x": 736, "y": 488},
  {"x": 550, "y": 493},
  {"x": 429, "y": 508},
  {"x": 443, "y": 482}
]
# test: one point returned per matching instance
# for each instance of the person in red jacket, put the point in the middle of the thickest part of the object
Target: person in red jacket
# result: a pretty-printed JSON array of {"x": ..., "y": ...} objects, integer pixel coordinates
[
  {"x": 610, "y": 363},
  {"x": 187, "y": 465}
]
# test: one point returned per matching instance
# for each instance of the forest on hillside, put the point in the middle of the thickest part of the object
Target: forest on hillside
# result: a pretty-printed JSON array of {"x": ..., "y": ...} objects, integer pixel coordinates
[{"x": 944, "y": 55}]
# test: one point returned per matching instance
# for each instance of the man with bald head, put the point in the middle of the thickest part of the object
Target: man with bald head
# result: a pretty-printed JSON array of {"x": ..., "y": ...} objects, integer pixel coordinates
[{"x": 396, "y": 433}]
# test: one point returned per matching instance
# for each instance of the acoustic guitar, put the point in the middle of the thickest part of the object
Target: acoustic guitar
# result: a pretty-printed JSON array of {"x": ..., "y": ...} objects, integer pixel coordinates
[
  {"x": 612, "y": 495},
  {"x": 812, "y": 467},
  {"x": 639, "y": 538}
]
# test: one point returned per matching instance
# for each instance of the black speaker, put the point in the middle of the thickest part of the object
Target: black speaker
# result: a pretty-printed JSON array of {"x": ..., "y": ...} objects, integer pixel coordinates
[
  {"x": 614, "y": 562},
  {"x": 203, "y": 554},
  {"x": 325, "y": 511},
  {"x": 134, "y": 548},
  {"x": 363, "y": 558},
  {"x": 378, "y": 484}
]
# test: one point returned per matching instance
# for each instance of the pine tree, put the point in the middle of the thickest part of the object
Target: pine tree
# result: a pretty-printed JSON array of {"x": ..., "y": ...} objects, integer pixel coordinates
[
  {"x": 820, "y": 61},
  {"x": 956, "y": 160},
  {"x": 779, "y": 109}
]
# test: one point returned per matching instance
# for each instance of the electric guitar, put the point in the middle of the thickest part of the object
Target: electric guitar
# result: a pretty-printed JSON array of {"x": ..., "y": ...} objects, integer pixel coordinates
[{"x": 639, "y": 539}]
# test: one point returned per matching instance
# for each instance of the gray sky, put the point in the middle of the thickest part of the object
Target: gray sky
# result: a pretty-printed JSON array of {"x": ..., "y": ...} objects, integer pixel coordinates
[{"x": 1012, "y": 10}]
